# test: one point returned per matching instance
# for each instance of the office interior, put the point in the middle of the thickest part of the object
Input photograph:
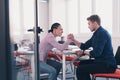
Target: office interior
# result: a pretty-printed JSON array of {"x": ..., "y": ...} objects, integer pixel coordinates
[{"x": 19, "y": 18}]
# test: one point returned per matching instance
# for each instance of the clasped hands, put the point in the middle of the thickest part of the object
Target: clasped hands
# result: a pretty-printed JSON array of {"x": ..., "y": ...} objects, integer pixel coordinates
[
  {"x": 70, "y": 36},
  {"x": 79, "y": 52}
]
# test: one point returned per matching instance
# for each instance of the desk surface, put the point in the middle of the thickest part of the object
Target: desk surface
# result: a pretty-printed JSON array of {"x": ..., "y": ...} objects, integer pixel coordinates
[
  {"x": 70, "y": 49},
  {"x": 26, "y": 52}
]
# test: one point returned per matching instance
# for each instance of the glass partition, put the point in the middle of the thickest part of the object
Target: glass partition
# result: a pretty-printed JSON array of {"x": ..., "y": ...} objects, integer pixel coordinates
[{"x": 22, "y": 21}]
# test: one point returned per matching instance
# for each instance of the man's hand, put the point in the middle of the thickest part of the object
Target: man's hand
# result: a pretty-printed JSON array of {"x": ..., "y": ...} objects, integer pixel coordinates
[
  {"x": 79, "y": 53},
  {"x": 86, "y": 52}
]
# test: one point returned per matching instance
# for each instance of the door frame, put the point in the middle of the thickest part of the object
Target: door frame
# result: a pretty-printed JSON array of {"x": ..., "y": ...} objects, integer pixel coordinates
[{"x": 5, "y": 50}]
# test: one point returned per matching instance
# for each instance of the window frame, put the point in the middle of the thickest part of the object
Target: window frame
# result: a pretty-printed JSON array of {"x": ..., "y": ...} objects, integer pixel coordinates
[{"x": 115, "y": 17}]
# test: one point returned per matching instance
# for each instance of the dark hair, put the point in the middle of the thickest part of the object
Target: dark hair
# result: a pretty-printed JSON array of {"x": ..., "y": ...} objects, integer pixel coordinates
[
  {"x": 54, "y": 26},
  {"x": 94, "y": 18}
]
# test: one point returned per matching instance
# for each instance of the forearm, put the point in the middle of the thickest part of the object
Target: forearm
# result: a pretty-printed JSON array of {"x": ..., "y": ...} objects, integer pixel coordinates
[{"x": 77, "y": 43}]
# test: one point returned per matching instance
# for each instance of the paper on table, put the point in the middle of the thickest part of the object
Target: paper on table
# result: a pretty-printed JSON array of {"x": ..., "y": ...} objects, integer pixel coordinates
[
  {"x": 73, "y": 47},
  {"x": 84, "y": 57}
]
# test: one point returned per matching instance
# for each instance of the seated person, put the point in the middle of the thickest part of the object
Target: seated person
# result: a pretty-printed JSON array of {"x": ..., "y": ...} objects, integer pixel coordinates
[
  {"x": 49, "y": 42},
  {"x": 102, "y": 51}
]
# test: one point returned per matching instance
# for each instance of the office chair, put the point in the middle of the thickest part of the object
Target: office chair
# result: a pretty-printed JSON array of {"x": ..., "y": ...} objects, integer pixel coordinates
[{"x": 115, "y": 75}]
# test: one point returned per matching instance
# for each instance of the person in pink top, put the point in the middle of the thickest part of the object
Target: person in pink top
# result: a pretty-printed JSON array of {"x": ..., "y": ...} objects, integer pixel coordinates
[{"x": 47, "y": 44}]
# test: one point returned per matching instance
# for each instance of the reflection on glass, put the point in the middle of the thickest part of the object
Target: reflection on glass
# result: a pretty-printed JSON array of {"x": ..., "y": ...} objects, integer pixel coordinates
[{"x": 22, "y": 19}]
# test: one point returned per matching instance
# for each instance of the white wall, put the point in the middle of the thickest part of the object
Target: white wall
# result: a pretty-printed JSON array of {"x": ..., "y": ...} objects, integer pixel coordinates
[
  {"x": 48, "y": 14},
  {"x": 43, "y": 17},
  {"x": 58, "y": 14},
  {"x": 115, "y": 42},
  {"x": 55, "y": 11}
]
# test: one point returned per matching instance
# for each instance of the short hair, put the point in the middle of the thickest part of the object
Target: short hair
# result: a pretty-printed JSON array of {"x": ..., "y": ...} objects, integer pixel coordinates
[{"x": 94, "y": 18}]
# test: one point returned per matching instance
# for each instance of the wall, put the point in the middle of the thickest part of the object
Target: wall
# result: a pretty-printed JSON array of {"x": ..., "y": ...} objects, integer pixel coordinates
[
  {"x": 116, "y": 42},
  {"x": 47, "y": 16},
  {"x": 60, "y": 16},
  {"x": 43, "y": 17}
]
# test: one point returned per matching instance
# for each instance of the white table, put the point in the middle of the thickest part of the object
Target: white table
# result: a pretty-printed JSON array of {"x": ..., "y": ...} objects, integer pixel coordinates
[
  {"x": 26, "y": 52},
  {"x": 30, "y": 55},
  {"x": 70, "y": 51},
  {"x": 66, "y": 52}
]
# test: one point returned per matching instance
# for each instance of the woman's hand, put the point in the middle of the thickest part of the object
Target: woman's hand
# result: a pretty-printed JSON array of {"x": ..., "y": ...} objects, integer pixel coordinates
[{"x": 70, "y": 36}]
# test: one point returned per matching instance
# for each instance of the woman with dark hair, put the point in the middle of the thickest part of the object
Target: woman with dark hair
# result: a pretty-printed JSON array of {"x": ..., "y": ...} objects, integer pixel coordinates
[{"x": 49, "y": 42}]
